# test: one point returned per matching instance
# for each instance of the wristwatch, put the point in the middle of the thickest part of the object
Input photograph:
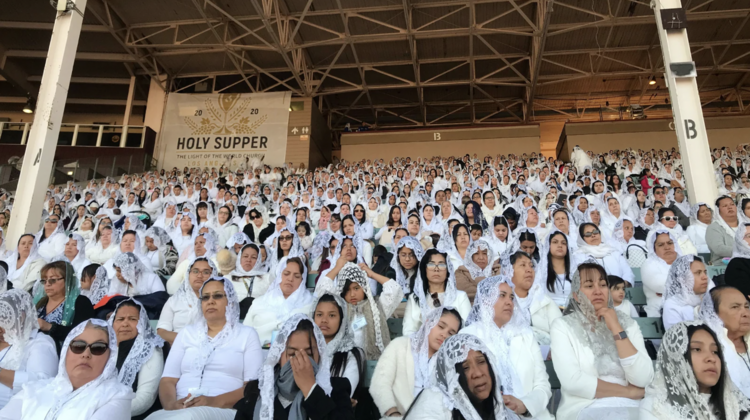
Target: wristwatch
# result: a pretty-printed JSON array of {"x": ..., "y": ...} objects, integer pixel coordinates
[{"x": 621, "y": 335}]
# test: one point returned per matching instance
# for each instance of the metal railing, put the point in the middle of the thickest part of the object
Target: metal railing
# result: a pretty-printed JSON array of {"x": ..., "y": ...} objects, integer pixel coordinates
[{"x": 96, "y": 135}]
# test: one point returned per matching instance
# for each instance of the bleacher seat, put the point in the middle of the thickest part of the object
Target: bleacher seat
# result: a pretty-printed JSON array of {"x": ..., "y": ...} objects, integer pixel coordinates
[
  {"x": 715, "y": 270},
  {"x": 637, "y": 275},
  {"x": 369, "y": 370},
  {"x": 635, "y": 295},
  {"x": 706, "y": 257},
  {"x": 153, "y": 323},
  {"x": 311, "y": 280},
  {"x": 554, "y": 381},
  {"x": 396, "y": 327},
  {"x": 651, "y": 328}
]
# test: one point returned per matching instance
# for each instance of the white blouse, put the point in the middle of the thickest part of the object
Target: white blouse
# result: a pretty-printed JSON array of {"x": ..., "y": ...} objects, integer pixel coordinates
[
  {"x": 41, "y": 362},
  {"x": 147, "y": 284},
  {"x": 228, "y": 368},
  {"x": 413, "y": 313},
  {"x": 148, "y": 383},
  {"x": 175, "y": 315}
]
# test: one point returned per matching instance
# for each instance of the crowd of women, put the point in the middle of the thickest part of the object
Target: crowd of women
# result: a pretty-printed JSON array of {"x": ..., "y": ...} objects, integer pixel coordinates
[{"x": 265, "y": 293}]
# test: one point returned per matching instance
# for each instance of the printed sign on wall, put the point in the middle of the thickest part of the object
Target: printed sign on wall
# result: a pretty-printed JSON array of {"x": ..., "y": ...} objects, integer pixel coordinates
[{"x": 210, "y": 130}]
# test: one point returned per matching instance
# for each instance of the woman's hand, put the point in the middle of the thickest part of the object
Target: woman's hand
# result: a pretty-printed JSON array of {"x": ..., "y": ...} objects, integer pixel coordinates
[
  {"x": 177, "y": 405},
  {"x": 635, "y": 393},
  {"x": 202, "y": 401},
  {"x": 514, "y": 404},
  {"x": 366, "y": 269},
  {"x": 44, "y": 325},
  {"x": 609, "y": 316},
  {"x": 304, "y": 375}
]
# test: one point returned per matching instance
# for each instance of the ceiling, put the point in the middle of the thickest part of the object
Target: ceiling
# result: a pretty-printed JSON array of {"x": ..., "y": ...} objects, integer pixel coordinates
[{"x": 389, "y": 63}]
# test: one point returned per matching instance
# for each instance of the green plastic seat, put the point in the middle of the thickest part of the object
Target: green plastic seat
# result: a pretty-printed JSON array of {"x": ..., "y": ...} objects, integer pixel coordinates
[
  {"x": 554, "y": 381},
  {"x": 369, "y": 371},
  {"x": 637, "y": 275},
  {"x": 635, "y": 295},
  {"x": 396, "y": 327},
  {"x": 651, "y": 328}
]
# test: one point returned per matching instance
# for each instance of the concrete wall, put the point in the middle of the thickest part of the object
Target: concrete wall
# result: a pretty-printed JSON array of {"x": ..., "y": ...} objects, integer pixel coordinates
[
  {"x": 440, "y": 142},
  {"x": 648, "y": 134},
  {"x": 297, "y": 150},
  {"x": 320, "y": 140}
]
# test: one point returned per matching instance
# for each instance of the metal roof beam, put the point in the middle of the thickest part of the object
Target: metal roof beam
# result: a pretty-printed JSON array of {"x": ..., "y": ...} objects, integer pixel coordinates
[
  {"x": 77, "y": 101},
  {"x": 543, "y": 17}
]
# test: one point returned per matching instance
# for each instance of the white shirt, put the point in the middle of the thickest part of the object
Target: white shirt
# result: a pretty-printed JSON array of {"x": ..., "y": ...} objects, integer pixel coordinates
[
  {"x": 228, "y": 368},
  {"x": 148, "y": 383},
  {"x": 627, "y": 308},
  {"x": 413, "y": 313},
  {"x": 147, "y": 284},
  {"x": 41, "y": 362},
  {"x": 175, "y": 315}
]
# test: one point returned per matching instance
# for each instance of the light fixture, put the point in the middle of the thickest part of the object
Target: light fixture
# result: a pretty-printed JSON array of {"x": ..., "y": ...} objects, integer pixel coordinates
[
  {"x": 29, "y": 107},
  {"x": 290, "y": 109},
  {"x": 70, "y": 173},
  {"x": 652, "y": 81}
]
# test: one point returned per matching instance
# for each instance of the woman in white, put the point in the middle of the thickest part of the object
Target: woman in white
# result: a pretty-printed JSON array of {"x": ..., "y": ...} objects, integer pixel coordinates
[
  {"x": 26, "y": 354},
  {"x": 75, "y": 253},
  {"x": 564, "y": 222},
  {"x": 131, "y": 277},
  {"x": 154, "y": 205},
  {"x": 700, "y": 218},
  {"x": 168, "y": 218},
  {"x": 500, "y": 323},
  {"x": 86, "y": 385},
  {"x": 669, "y": 221},
  {"x": 351, "y": 228},
  {"x": 130, "y": 241},
  {"x": 130, "y": 205},
  {"x": 686, "y": 283},
  {"x": 178, "y": 310},
  {"x": 727, "y": 311},
  {"x": 662, "y": 252},
  {"x": 139, "y": 354},
  {"x": 530, "y": 220},
  {"x": 434, "y": 286},
  {"x": 223, "y": 226},
  {"x": 430, "y": 223},
  {"x": 405, "y": 368},
  {"x": 590, "y": 245},
  {"x": 86, "y": 230},
  {"x": 51, "y": 238},
  {"x": 691, "y": 380},
  {"x": 479, "y": 264},
  {"x": 466, "y": 385},
  {"x": 367, "y": 314},
  {"x": 106, "y": 247},
  {"x": 598, "y": 353},
  {"x": 160, "y": 252},
  {"x": 211, "y": 361},
  {"x": 185, "y": 232},
  {"x": 249, "y": 276},
  {"x": 556, "y": 265},
  {"x": 24, "y": 264},
  {"x": 405, "y": 262},
  {"x": 501, "y": 236},
  {"x": 287, "y": 295}
]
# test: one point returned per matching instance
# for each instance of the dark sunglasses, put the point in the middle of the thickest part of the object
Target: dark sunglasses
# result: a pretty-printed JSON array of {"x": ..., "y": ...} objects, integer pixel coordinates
[
  {"x": 51, "y": 282},
  {"x": 285, "y": 238},
  {"x": 216, "y": 296},
  {"x": 51, "y": 220},
  {"x": 592, "y": 233},
  {"x": 97, "y": 349}
]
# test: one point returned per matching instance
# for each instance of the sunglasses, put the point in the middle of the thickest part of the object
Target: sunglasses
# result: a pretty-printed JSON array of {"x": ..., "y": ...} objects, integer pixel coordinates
[
  {"x": 253, "y": 217},
  {"x": 215, "y": 296},
  {"x": 51, "y": 282},
  {"x": 97, "y": 349},
  {"x": 285, "y": 238},
  {"x": 592, "y": 233},
  {"x": 670, "y": 218},
  {"x": 51, "y": 221}
]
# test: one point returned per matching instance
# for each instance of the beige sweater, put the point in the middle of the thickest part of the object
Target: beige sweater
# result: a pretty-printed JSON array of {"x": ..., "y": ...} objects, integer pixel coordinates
[{"x": 392, "y": 382}]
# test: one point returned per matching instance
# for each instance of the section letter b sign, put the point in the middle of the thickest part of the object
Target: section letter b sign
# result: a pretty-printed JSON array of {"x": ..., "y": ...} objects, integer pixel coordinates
[{"x": 436, "y": 136}]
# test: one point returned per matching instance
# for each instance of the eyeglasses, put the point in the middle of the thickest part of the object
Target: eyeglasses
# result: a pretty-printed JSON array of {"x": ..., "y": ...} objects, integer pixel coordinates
[
  {"x": 285, "y": 238},
  {"x": 51, "y": 282},
  {"x": 97, "y": 348},
  {"x": 204, "y": 272},
  {"x": 215, "y": 296},
  {"x": 406, "y": 256},
  {"x": 437, "y": 266},
  {"x": 51, "y": 220},
  {"x": 670, "y": 218},
  {"x": 592, "y": 233}
]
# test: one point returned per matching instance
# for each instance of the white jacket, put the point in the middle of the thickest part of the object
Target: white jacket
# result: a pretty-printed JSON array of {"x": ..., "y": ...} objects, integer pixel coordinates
[
  {"x": 575, "y": 366},
  {"x": 654, "y": 276},
  {"x": 697, "y": 235},
  {"x": 392, "y": 383},
  {"x": 526, "y": 358},
  {"x": 148, "y": 383},
  {"x": 413, "y": 313}
]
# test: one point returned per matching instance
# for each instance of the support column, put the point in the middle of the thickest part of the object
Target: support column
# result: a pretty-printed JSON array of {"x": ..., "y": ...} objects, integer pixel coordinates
[
  {"x": 128, "y": 111},
  {"x": 686, "y": 109},
  {"x": 157, "y": 100},
  {"x": 42, "y": 142}
]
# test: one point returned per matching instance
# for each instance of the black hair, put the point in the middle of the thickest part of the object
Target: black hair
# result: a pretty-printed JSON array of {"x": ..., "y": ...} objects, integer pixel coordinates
[
  {"x": 340, "y": 359},
  {"x": 304, "y": 325},
  {"x": 306, "y": 227},
  {"x": 664, "y": 210},
  {"x": 364, "y": 213},
  {"x": 582, "y": 227},
  {"x": 129, "y": 232},
  {"x": 348, "y": 217},
  {"x": 200, "y": 205},
  {"x": 129, "y": 302},
  {"x": 486, "y": 408},
  {"x": 476, "y": 226},
  {"x": 530, "y": 236},
  {"x": 455, "y": 313},
  {"x": 401, "y": 267},
  {"x": 454, "y": 233},
  {"x": 551, "y": 274},
  {"x": 510, "y": 214},
  {"x": 423, "y": 272},
  {"x": 89, "y": 271},
  {"x": 717, "y": 391},
  {"x": 718, "y": 200},
  {"x": 391, "y": 222},
  {"x": 614, "y": 281},
  {"x": 596, "y": 267},
  {"x": 716, "y": 294}
]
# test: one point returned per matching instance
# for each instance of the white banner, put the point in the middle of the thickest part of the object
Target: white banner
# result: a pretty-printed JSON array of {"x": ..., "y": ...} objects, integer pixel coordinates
[{"x": 210, "y": 130}]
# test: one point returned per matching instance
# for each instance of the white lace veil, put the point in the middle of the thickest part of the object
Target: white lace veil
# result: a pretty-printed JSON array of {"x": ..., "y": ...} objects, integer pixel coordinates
[
  {"x": 450, "y": 288},
  {"x": 401, "y": 275},
  {"x": 741, "y": 249},
  {"x": 143, "y": 346},
  {"x": 474, "y": 269},
  {"x": 18, "y": 319},
  {"x": 267, "y": 382},
  {"x": 420, "y": 350},
  {"x": 99, "y": 287},
  {"x": 50, "y": 396},
  {"x": 675, "y": 388},
  {"x": 455, "y": 350},
  {"x": 351, "y": 272},
  {"x": 130, "y": 267},
  {"x": 593, "y": 332},
  {"x": 344, "y": 340},
  {"x": 3, "y": 279},
  {"x": 680, "y": 282}
]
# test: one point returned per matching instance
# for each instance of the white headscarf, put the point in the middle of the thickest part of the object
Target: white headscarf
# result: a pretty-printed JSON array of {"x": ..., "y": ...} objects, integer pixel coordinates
[
  {"x": 741, "y": 249},
  {"x": 143, "y": 346},
  {"x": 19, "y": 320},
  {"x": 680, "y": 282},
  {"x": 274, "y": 299},
  {"x": 401, "y": 276}
]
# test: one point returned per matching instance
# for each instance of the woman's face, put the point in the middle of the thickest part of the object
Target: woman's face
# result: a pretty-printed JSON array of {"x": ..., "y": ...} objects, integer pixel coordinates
[
  {"x": 128, "y": 243},
  {"x": 291, "y": 278},
  {"x": 348, "y": 250},
  {"x": 125, "y": 323},
  {"x": 480, "y": 258},
  {"x": 700, "y": 277},
  {"x": 446, "y": 327},
  {"x": 478, "y": 375},
  {"x": 203, "y": 212},
  {"x": 85, "y": 367},
  {"x": 24, "y": 246},
  {"x": 501, "y": 232},
  {"x": 504, "y": 305},
  {"x": 627, "y": 230},
  {"x": 523, "y": 273},
  {"x": 199, "y": 273},
  {"x": 704, "y": 215},
  {"x": 335, "y": 224},
  {"x": 558, "y": 246},
  {"x": 437, "y": 270},
  {"x": 200, "y": 246},
  {"x": 214, "y": 302},
  {"x": 348, "y": 227},
  {"x": 413, "y": 226},
  {"x": 532, "y": 218},
  {"x": 664, "y": 247},
  {"x": 734, "y": 311},
  {"x": 649, "y": 218},
  {"x": 528, "y": 202},
  {"x": 528, "y": 247},
  {"x": 300, "y": 344},
  {"x": 704, "y": 357},
  {"x": 462, "y": 238},
  {"x": 429, "y": 213},
  {"x": 469, "y": 211},
  {"x": 54, "y": 283},
  {"x": 614, "y": 207},
  {"x": 595, "y": 288},
  {"x": 406, "y": 258},
  {"x": 328, "y": 319},
  {"x": 354, "y": 294},
  {"x": 583, "y": 205},
  {"x": 186, "y": 224},
  {"x": 595, "y": 217},
  {"x": 671, "y": 223},
  {"x": 562, "y": 222}
]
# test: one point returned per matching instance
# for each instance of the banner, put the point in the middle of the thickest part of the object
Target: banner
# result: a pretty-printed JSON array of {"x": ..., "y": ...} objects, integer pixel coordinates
[{"x": 210, "y": 130}]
